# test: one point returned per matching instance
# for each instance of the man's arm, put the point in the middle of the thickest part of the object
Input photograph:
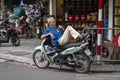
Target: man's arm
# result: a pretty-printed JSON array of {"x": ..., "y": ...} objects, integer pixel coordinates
[{"x": 46, "y": 35}]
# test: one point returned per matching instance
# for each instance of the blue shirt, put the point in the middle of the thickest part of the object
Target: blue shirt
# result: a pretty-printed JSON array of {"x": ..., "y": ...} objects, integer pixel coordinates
[{"x": 56, "y": 32}]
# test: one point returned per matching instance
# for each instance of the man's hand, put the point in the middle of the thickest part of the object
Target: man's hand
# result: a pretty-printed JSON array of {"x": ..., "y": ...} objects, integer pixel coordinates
[
  {"x": 51, "y": 35},
  {"x": 61, "y": 27}
]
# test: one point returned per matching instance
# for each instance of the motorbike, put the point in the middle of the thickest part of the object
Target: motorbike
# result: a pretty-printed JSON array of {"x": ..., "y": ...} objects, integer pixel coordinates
[
  {"x": 75, "y": 55},
  {"x": 93, "y": 45},
  {"x": 8, "y": 33},
  {"x": 25, "y": 28},
  {"x": 39, "y": 28},
  {"x": 36, "y": 22}
]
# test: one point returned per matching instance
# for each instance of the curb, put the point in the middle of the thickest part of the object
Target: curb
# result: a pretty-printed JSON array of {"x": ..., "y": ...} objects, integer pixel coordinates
[
  {"x": 16, "y": 58},
  {"x": 21, "y": 59}
]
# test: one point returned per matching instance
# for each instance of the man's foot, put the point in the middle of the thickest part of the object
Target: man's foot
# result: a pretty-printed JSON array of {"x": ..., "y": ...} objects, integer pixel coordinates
[{"x": 81, "y": 38}]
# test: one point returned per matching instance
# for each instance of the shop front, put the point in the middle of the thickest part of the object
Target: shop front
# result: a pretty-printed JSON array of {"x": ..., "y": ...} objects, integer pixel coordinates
[
  {"x": 84, "y": 13},
  {"x": 77, "y": 10}
]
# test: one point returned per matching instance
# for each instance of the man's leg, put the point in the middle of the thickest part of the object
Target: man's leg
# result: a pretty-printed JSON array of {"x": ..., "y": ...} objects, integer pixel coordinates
[{"x": 69, "y": 32}]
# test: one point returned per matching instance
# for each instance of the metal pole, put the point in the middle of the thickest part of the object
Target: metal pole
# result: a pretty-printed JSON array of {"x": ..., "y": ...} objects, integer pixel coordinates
[
  {"x": 99, "y": 38},
  {"x": 111, "y": 22},
  {"x": 50, "y": 8}
]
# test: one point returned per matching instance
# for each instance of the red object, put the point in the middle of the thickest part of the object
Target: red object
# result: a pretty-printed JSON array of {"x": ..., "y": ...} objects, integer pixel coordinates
[
  {"x": 82, "y": 18},
  {"x": 100, "y": 4},
  {"x": 77, "y": 18},
  {"x": 20, "y": 31},
  {"x": 118, "y": 11},
  {"x": 25, "y": 26},
  {"x": 98, "y": 50},
  {"x": 118, "y": 40},
  {"x": 99, "y": 30},
  {"x": 99, "y": 26},
  {"x": 23, "y": 22},
  {"x": 70, "y": 17}
]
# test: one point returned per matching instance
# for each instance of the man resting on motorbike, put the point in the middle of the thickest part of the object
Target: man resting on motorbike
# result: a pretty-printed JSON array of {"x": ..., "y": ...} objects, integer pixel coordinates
[{"x": 57, "y": 37}]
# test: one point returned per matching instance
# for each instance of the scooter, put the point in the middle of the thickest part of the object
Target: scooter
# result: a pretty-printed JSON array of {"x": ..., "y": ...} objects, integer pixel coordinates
[
  {"x": 25, "y": 28},
  {"x": 37, "y": 25},
  {"x": 7, "y": 33},
  {"x": 93, "y": 45},
  {"x": 75, "y": 55}
]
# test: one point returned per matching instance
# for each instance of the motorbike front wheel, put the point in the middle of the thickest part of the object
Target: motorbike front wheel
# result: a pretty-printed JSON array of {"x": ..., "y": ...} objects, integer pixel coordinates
[
  {"x": 40, "y": 59},
  {"x": 15, "y": 41},
  {"x": 27, "y": 35},
  {"x": 31, "y": 33},
  {"x": 82, "y": 63}
]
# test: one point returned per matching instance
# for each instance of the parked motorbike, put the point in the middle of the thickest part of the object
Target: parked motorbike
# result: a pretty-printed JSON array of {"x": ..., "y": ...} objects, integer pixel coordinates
[
  {"x": 25, "y": 28},
  {"x": 7, "y": 33},
  {"x": 93, "y": 45},
  {"x": 37, "y": 25},
  {"x": 74, "y": 55}
]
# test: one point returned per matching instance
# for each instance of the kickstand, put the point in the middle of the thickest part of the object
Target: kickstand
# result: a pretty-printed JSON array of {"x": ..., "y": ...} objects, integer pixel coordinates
[{"x": 60, "y": 67}]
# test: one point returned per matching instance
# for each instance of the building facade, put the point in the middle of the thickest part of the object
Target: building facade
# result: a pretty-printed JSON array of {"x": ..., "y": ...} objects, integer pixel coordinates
[{"x": 78, "y": 10}]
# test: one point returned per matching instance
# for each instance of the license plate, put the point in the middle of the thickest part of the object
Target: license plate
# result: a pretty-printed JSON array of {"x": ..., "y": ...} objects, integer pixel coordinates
[{"x": 88, "y": 52}]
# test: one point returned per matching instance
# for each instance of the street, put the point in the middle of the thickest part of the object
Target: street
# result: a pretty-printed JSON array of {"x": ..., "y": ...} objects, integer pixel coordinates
[
  {"x": 17, "y": 72},
  {"x": 18, "y": 69},
  {"x": 99, "y": 17},
  {"x": 10, "y": 71}
]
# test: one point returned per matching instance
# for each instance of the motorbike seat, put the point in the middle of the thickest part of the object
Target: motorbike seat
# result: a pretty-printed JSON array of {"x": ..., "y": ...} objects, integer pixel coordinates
[
  {"x": 1, "y": 23},
  {"x": 1, "y": 26},
  {"x": 63, "y": 47}
]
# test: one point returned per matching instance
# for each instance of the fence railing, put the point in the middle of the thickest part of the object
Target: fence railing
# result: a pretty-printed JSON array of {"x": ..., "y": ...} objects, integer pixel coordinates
[{"x": 109, "y": 50}]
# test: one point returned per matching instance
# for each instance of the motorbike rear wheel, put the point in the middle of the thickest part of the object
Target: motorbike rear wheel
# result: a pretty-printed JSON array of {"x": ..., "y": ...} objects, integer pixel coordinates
[
  {"x": 82, "y": 63},
  {"x": 15, "y": 41},
  {"x": 40, "y": 59}
]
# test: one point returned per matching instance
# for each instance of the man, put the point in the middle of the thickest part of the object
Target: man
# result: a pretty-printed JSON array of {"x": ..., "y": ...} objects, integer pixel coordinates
[{"x": 56, "y": 35}]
